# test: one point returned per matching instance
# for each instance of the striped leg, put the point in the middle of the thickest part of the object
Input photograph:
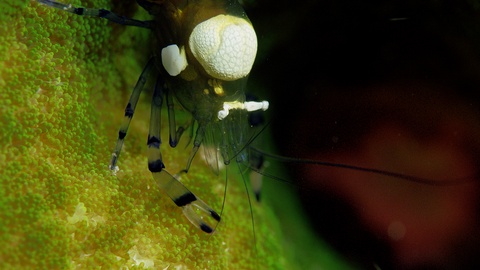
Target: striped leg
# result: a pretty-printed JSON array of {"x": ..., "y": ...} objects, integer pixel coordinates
[
  {"x": 175, "y": 134},
  {"x": 197, "y": 141},
  {"x": 129, "y": 111},
  {"x": 180, "y": 195},
  {"x": 101, "y": 13}
]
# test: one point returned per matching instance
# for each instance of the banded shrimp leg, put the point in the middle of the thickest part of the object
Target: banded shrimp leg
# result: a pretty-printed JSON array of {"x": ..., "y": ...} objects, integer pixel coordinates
[
  {"x": 97, "y": 12},
  {"x": 180, "y": 194}
]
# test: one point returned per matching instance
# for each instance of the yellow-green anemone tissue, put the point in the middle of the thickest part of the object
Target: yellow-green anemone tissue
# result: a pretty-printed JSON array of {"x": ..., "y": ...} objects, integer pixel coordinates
[{"x": 64, "y": 80}]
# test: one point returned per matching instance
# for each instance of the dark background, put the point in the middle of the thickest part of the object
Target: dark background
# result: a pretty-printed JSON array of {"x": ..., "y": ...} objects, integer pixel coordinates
[{"x": 392, "y": 85}]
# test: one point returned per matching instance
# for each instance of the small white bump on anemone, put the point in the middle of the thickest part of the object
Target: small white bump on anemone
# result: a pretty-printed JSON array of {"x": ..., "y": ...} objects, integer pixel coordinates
[{"x": 225, "y": 46}]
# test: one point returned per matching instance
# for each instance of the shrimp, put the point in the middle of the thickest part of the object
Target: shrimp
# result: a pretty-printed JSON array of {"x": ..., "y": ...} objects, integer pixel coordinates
[{"x": 203, "y": 53}]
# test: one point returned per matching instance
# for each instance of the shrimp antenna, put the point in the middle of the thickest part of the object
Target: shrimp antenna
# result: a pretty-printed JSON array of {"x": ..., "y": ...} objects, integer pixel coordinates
[{"x": 420, "y": 180}]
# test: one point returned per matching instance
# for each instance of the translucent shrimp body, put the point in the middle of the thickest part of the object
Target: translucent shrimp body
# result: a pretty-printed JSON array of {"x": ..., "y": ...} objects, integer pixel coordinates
[{"x": 217, "y": 46}]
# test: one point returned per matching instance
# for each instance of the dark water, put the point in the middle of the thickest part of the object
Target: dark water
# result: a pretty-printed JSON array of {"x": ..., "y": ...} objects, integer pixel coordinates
[{"x": 391, "y": 85}]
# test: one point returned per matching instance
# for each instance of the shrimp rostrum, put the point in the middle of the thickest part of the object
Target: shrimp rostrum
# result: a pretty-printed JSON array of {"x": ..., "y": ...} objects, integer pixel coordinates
[{"x": 203, "y": 51}]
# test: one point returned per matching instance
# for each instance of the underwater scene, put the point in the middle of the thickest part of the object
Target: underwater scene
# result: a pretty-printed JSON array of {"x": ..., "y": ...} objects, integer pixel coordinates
[{"x": 254, "y": 134}]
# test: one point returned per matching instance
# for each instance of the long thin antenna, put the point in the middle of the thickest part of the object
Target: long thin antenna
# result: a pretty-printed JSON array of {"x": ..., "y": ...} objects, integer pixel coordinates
[
  {"x": 251, "y": 212},
  {"x": 420, "y": 180}
]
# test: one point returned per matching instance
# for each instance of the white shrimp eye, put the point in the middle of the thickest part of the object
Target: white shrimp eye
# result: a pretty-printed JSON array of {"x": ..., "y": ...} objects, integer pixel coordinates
[
  {"x": 225, "y": 46},
  {"x": 173, "y": 59}
]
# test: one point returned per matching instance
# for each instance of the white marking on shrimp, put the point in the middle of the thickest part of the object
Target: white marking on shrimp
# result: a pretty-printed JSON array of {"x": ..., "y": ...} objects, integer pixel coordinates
[
  {"x": 249, "y": 106},
  {"x": 173, "y": 59},
  {"x": 225, "y": 46}
]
